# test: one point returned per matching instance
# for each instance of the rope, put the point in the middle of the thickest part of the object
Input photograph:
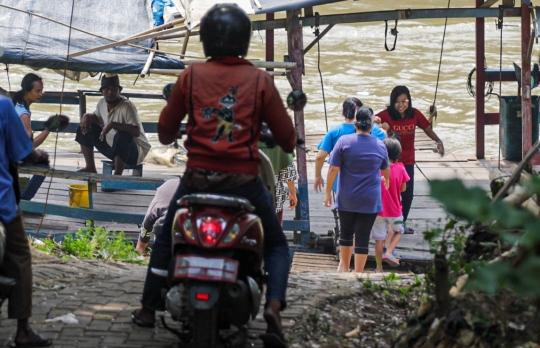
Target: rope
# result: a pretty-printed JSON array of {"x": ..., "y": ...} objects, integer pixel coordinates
[
  {"x": 7, "y": 73},
  {"x": 60, "y": 112},
  {"x": 316, "y": 32},
  {"x": 440, "y": 58},
  {"x": 425, "y": 176},
  {"x": 488, "y": 85}
]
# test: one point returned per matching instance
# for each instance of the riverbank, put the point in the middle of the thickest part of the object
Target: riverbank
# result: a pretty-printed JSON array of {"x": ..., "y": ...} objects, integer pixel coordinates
[{"x": 81, "y": 303}]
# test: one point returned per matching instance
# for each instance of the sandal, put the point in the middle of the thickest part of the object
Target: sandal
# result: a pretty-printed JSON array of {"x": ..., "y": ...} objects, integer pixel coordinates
[
  {"x": 272, "y": 340},
  {"x": 408, "y": 230},
  {"x": 391, "y": 260},
  {"x": 34, "y": 340},
  {"x": 139, "y": 322}
]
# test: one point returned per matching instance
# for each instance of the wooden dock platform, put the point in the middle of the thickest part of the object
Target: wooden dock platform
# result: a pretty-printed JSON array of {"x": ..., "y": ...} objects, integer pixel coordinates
[{"x": 425, "y": 212}]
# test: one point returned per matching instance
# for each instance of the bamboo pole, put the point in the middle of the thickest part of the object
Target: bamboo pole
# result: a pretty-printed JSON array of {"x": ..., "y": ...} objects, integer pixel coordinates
[
  {"x": 258, "y": 64},
  {"x": 263, "y": 65},
  {"x": 166, "y": 71},
  {"x": 176, "y": 36},
  {"x": 147, "y": 65},
  {"x": 123, "y": 42},
  {"x": 159, "y": 28},
  {"x": 517, "y": 174},
  {"x": 185, "y": 43}
]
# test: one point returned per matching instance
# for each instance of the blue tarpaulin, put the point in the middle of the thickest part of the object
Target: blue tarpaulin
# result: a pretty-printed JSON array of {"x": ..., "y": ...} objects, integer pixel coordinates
[{"x": 42, "y": 43}]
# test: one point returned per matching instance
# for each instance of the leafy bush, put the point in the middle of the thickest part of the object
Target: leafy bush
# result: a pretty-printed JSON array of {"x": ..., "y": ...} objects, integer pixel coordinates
[
  {"x": 95, "y": 243},
  {"x": 513, "y": 226},
  {"x": 48, "y": 245}
]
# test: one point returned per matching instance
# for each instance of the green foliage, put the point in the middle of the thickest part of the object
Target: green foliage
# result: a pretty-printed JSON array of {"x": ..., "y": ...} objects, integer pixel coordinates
[
  {"x": 450, "y": 242},
  {"x": 95, "y": 243},
  {"x": 314, "y": 317},
  {"x": 48, "y": 246},
  {"x": 513, "y": 226},
  {"x": 391, "y": 278}
]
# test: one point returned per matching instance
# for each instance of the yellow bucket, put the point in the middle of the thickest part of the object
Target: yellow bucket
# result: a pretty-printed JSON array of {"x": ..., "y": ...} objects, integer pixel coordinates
[{"x": 78, "y": 196}]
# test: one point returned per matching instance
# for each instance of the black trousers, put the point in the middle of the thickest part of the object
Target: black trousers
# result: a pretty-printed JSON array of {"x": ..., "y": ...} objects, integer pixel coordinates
[
  {"x": 356, "y": 226},
  {"x": 124, "y": 144},
  {"x": 408, "y": 194}
]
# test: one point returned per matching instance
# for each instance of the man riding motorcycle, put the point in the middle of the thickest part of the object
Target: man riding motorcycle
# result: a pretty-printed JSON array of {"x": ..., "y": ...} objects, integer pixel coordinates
[{"x": 226, "y": 99}]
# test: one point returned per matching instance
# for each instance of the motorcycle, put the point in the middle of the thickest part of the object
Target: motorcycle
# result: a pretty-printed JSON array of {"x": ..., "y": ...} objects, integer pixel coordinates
[{"x": 216, "y": 278}]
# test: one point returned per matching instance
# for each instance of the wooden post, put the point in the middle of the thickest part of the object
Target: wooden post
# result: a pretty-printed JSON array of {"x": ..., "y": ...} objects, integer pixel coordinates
[
  {"x": 526, "y": 105},
  {"x": 270, "y": 42},
  {"x": 82, "y": 104},
  {"x": 480, "y": 82},
  {"x": 295, "y": 47},
  {"x": 185, "y": 43}
]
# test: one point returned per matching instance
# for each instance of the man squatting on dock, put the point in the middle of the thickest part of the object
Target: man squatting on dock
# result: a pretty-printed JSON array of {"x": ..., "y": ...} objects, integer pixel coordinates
[
  {"x": 155, "y": 215},
  {"x": 114, "y": 129},
  {"x": 15, "y": 145}
]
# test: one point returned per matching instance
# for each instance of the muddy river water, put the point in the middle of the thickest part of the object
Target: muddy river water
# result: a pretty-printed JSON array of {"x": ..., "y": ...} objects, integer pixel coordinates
[{"x": 354, "y": 62}]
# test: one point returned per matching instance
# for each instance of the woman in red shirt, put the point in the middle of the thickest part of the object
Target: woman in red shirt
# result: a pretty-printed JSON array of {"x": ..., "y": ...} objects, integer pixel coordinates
[{"x": 403, "y": 120}]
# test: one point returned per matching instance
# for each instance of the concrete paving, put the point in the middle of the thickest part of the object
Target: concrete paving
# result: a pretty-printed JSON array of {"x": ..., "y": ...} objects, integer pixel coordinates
[{"x": 100, "y": 296}]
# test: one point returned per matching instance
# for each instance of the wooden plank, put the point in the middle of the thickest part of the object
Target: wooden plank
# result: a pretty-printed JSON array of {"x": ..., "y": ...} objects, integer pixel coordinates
[
  {"x": 82, "y": 213},
  {"x": 90, "y": 177}
]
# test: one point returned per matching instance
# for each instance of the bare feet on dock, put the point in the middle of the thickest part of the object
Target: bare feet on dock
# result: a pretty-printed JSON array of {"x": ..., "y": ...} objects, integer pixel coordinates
[
  {"x": 87, "y": 170},
  {"x": 274, "y": 331}
]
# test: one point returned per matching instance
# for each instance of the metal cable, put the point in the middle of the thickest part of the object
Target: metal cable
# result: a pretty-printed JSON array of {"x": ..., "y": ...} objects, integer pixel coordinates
[
  {"x": 440, "y": 58},
  {"x": 320, "y": 76},
  {"x": 56, "y": 138},
  {"x": 7, "y": 73}
]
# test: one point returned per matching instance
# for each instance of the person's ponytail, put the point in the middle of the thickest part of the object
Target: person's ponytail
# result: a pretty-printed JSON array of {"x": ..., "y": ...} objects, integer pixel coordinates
[{"x": 18, "y": 98}]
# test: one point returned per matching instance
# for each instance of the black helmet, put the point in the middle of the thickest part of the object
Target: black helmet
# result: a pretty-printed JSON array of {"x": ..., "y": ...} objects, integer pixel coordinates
[{"x": 225, "y": 31}]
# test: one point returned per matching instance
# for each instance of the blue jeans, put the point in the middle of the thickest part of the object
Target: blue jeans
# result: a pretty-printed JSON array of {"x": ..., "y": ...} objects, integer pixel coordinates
[{"x": 276, "y": 249}]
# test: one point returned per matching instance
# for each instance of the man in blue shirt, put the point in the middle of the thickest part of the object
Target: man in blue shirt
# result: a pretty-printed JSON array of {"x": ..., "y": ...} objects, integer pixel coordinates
[
  {"x": 15, "y": 145},
  {"x": 350, "y": 106}
]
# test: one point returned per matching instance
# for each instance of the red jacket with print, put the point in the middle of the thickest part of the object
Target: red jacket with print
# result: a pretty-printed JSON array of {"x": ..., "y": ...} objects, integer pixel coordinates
[{"x": 226, "y": 100}]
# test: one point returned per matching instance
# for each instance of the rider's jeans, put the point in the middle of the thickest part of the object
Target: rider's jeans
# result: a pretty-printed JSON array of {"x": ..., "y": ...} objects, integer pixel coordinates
[{"x": 276, "y": 249}]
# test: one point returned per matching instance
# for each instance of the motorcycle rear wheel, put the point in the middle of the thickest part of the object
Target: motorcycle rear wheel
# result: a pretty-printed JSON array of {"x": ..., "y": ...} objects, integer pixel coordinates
[{"x": 205, "y": 329}]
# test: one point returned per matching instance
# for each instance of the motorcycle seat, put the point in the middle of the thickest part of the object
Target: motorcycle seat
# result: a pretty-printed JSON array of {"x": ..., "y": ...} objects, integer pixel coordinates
[{"x": 216, "y": 200}]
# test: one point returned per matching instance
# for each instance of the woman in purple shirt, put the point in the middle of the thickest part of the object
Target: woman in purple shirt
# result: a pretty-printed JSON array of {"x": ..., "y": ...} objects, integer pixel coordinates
[{"x": 357, "y": 158}]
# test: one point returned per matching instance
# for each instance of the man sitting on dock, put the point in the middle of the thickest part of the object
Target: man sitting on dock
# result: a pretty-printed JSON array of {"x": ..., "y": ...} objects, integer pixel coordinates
[{"x": 114, "y": 128}]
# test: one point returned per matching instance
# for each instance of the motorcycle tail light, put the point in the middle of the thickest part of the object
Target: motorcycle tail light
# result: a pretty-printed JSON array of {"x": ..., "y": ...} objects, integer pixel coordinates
[
  {"x": 202, "y": 297},
  {"x": 210, "y": 227},
  {"x": 233, "y": 233}
]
